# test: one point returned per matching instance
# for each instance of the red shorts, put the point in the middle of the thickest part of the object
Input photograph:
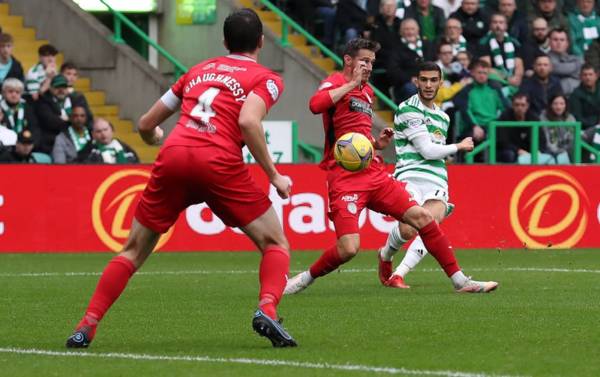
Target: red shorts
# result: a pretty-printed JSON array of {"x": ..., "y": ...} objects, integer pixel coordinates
[
  {"x": 375, "y": 190},
  {"x": 182, "y": 176}
]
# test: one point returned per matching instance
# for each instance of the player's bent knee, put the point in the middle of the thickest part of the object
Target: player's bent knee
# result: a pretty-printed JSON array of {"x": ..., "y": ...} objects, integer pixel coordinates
[
  {"x": 407, "y": 232},
  {"x": 348, "y": 246},
  {"x": 418, "y": 217}
]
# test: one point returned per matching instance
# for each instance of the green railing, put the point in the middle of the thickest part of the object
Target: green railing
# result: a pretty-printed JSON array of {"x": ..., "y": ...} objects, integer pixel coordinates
[
  {"x": 287, "y": 22},
  {"x": 491, "y": 143},
  {"x": 312, "y": 152},
  {"x": 119, "y": 19}
]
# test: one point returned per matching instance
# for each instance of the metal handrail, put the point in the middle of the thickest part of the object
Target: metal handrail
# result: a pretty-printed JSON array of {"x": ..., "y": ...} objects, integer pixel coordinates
[
  {"x": 491, "y": 144},
  {"x": 313, "y": 152},
  {"x": 286, "y": 22},
  {"x": 117, "y": 37}
]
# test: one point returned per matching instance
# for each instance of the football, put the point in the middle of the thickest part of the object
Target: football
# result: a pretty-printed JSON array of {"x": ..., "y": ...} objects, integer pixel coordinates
[{"x": 353, "y": 151}]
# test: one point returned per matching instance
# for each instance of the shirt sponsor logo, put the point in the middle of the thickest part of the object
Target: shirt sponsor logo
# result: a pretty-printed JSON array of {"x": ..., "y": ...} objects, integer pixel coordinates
[
  {"x": 273, "y": 90},
  {"x": 415, "y": 123},
  {"x": 204, "y": 127},
  {"x": 229, "y": 68},
  {"x": 360, "y": 106},
  {"x": 350, "y": 198}
]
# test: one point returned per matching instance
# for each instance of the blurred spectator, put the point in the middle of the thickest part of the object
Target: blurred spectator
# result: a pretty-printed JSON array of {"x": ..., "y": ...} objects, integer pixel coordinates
[
  {"x": 517, "y": 21},
  {"x": 405, "y": 60},
  {"x": 106, "y": 148},
  {"x": 564, "y": 66},
  {"x": 73, "y": 144},
  {"x": 464, "y": 58},
  {"x": 17, "y": 114},
  {"x": 351, "y": 17},
  {"x": 584, "y": 102},
  {"x": 548, "y": 10},
  {"x": 430, "y": 18},
  {"x": 559, "y": 140},
  {"x": 39, "y": 76},
  {"x": 592, "y": 55},
  {"x": 448, "y": 6},
  {"x": 541, "y": 86},
  {"x": 21, "y": 151},
  {"x": 308, "y": 11},
  {"x": 53, "y": 110},
  {"x": 475, "y": 23},
  {"x": 502, "y": 51},
  {"x": 453, "y": 35},
  {"x": 401, "y": 7},
  {"x": 514, "y": 143},
  {"x": 584, "y": 26},
  {"x": 455, "y": 77},
  {"x": 385, "y": 31},
  {"x": 9, "y": 65},
  {"x": 538, "y": 44},
  {"x": 71, "y": 73},
  {"x": 479, "y": 103}
]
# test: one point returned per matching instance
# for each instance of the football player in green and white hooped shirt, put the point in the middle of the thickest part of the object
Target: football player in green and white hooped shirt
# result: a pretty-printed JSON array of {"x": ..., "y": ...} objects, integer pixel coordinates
[{"x": 421, "y": 129}]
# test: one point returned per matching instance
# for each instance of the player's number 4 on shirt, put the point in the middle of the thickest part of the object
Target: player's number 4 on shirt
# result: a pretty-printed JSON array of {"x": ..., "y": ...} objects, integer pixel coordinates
[{"x": 203, "y": 110}]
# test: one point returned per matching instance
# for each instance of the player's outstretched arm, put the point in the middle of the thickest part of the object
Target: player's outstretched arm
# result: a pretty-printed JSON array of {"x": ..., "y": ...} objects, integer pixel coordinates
[
  {"x": 148, "y": 125},
  {"x": 432, "y": 151},
  {"x": 250, "y": 121}
]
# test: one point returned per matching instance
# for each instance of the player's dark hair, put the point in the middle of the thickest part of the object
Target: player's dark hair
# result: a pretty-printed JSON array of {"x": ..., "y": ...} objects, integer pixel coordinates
[
  {"x": 242, "y": 30},
  {"x": 354, "y": 45},
  {"x": 430, "y": 66}
]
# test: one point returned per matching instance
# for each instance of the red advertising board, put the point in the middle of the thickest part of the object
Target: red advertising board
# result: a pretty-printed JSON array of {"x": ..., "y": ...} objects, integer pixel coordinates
[{"x": 49, "y": 208}]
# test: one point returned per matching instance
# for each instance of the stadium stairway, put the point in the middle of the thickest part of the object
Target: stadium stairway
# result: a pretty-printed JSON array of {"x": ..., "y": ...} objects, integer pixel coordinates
[
  {"x": 299, "y": 43},
  {"x": 25, "y": 50}
]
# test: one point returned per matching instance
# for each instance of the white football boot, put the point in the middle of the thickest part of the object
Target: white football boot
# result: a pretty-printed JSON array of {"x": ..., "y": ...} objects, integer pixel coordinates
[{"x": 298, "y": 283}]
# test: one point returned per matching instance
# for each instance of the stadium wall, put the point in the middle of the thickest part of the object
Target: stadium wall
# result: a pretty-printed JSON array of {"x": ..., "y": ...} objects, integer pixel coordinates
[{"x": 45, "y": 208}]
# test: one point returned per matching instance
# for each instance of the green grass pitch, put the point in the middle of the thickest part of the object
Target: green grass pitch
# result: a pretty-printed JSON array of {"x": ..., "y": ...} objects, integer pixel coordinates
[{"x": 189, "y": 314}]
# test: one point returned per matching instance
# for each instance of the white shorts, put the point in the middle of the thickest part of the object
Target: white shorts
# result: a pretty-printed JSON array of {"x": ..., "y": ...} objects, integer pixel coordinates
[{"x": 423, "y": 190}]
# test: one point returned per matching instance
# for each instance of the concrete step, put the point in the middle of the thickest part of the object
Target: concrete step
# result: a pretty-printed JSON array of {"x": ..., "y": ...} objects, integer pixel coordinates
[
  {"x": 4, "y": 9},
  {"x": 297, "y": 40},
  {"x": 20, "y": 34},
  {"x": 386, "y": 116},
  {"x": 327, "y": 64},
  {"x": 122, "y": 126},
  {"x": 27, "y": 47},
  {"x": 146, "y": 154},
  {"x": 104, "y": 111},
  {"x": 95, "y": 97},
  {"x": 267, "y": 16},
  {"x": 82, "y": 84},
  {"x": 8, "y": 20},
  {"x": 247, "y": 3},
  {"x": 274, "y": 26}
]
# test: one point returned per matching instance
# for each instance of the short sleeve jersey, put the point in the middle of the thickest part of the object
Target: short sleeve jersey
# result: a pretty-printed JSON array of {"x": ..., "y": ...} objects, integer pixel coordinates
[
  {"x": 352, "y": 113},
  {"x": 212, "y": 94}
]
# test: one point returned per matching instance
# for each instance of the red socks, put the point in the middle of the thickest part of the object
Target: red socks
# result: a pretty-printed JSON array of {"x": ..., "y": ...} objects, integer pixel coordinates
[
  {"x": 329, "y": 261},
  {"x": 109, "y": 288},
  {"x": 274, "y": 267},
  {"x": 438, "y": 245}
]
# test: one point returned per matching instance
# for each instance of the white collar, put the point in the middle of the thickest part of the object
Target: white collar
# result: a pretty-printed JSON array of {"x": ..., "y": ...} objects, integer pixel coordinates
[{"x": 241, "y": 57}]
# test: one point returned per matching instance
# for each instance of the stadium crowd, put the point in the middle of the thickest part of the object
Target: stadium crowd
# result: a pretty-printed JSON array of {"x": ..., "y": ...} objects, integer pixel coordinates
[
  {"x": 43, "y": 119},
  {"x": 502, "y": 60}
]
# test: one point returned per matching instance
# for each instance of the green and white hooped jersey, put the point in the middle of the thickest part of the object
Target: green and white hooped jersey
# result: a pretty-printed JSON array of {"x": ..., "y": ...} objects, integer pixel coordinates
[{"x": 413, "y": 119}]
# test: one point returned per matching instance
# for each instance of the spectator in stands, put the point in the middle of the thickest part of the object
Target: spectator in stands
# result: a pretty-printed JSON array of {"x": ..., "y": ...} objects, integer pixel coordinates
[
  {"x": 448, "y": 6},
  {"x": 559, "y": 140},
  {"x": 514, "y": 143},
  {"x": 306, "y": 12},
  {"x": 584, "y": 102},
  {"x": 564, "y": 66},
  {"x": 17, "y": 114},
  {"x": 53, "y": 110},
  {"x": 21, "y": 151},
  {"x": 584, "y": 26},
  {"x": 475, "y": 23},
  {"x": 502, "y": 51},
  {"x": 548, "y": 10},
  {"x": 71, "y": 73},
  {"x": 453, "y": 35},
  {"x": 385, "y": 31},
  {"x": 106, "y": 148},
  {"x": 479, "y": 103},
  {"x": 455, "y": 77},
  {"x": 9, "y": 65},
  {"x": 592, "y": 55},
  {"x": 351, "y": 17},
  {"x": 464, "y": 58},
  {"x": 430, "y": 18},
  {"x": 542, "y": 85},
  {"x": 404, "y": 62},
  {"x": 517, "y": 21},
  {"x": 538, "y": 44},
  {"x": 74, "y": 143},
  {"x": 39, "y": 76}
]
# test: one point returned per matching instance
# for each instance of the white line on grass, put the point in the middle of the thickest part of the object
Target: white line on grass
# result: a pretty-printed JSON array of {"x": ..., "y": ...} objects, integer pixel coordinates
[
  {"x": 226, "y": 360},
  {"x": 241, "y": 272}
]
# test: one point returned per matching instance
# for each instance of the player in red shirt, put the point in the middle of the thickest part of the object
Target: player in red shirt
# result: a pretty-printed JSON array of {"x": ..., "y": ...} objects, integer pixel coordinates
[
  {"x": 345, "y": 100},
  {"x": 223, "y": 101}
]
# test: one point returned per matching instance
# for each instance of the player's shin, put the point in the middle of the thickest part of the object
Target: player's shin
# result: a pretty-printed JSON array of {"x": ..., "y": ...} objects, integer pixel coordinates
[
  {"x": 274, "y": 267},
  {"x": 329, "y": 261},
  {"x": 439, "y": 246},
  {"x": 415, "y": 253},
  {"x": 392, "y": 245}
]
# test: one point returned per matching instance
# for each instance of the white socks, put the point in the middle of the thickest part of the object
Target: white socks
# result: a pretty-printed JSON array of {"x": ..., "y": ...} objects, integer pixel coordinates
[
  {"x": 415, "y": 253},
  {"x": 393, "y": 244},
  {"x": 459, "y": 279}
]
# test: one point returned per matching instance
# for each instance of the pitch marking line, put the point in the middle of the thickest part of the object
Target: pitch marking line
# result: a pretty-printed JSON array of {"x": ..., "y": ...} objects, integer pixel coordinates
[
  {"x": 349, "y": 270},
  {"x": 225, "y": 360}
]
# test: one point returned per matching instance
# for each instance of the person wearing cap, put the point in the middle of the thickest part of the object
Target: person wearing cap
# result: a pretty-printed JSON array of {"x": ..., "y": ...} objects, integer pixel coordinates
[
  {"x": 106, "y": 148},
  {"x": 21, "y": 151},
  {"x": 39, "y": 77},
  {"x": 73, "y": 144},
  {"x": 17, "y": 114},
  {"x": 53, "y": 110}
]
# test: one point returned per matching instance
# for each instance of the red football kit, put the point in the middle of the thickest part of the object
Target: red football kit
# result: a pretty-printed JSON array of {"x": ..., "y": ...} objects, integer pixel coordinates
[
  {"x": 351, "y": 192},
  {"x": 201, "y": 160}
]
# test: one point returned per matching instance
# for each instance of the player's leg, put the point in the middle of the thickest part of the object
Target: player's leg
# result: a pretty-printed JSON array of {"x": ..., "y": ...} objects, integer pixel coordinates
[
  {"x": 266, "y": 232},
  {"x": 346, "y": 248},
  {"x": 113, "y": 281}
]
